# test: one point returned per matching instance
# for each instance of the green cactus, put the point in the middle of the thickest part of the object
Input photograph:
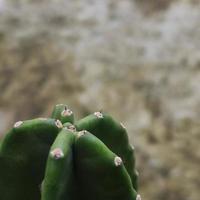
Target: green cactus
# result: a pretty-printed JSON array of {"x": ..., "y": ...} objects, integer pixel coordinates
[
  {"x": 23, "y": 154},
  {"x": 63, "y": 113},
  {"x": 95, "y": 163},
  {"x": 59, "y": 181},
  {"x": 52, "y": 159},
  {"x": 114, "y": 136}
]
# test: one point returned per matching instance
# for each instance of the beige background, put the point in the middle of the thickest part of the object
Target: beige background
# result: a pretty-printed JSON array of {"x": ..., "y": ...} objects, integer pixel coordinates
[{"x": 138, "y": 60}]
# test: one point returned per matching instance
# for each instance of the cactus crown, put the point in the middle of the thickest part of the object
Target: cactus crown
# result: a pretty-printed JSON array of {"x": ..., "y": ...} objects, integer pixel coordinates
[{"x": 57, "y": 159}]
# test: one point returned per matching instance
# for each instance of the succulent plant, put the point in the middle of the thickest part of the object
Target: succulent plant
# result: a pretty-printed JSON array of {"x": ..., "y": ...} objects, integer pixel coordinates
[{"x": 54, "y": 159}]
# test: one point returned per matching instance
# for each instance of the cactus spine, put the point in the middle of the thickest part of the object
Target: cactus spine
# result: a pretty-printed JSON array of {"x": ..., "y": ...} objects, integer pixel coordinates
[{"x": 54, "y": 159}]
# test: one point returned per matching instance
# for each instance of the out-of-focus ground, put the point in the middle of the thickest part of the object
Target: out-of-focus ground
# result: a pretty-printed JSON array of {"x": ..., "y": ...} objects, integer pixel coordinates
[{"x": 138, "y": 60}]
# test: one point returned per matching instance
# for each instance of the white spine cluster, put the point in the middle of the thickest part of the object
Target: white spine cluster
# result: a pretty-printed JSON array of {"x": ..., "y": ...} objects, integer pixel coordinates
[
  {"x": 81, "y": 133},
  {"x": 122, "y": 125},
  {"x": 17, "y": 124},
  {"x": 70, "y": 128},
  {"x": 118, "y": 161},
  {"x": 66, "y": 112},
  {"x": 57, "y": 153},
  {"x": 58, "y": 123},
  {"x": 98, "y": 114},
  {"x": 138, "y": 197}
]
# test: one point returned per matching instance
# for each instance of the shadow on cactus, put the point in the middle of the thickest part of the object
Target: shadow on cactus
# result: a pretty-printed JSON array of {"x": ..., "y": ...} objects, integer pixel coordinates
[{"x": 57, "y": 159}]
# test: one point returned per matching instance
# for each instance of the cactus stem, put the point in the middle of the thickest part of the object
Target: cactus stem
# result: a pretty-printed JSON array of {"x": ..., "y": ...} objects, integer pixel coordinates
[
  {"x": 66, "y": 112},
  {"x": 81, "y": 133},
  {"x": 57, "y": 153},
  {"x": 138, "y": 197},
  {"x": 58, "y": 123},
  {"x": 118, "y": 161},
  {"x": 122, "y": 125},
  {"x": 98, "y": 114},
  {"x": 17, "y": 124}
]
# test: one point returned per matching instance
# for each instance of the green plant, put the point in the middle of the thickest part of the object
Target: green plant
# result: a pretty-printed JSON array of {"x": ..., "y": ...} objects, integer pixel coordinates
[{"x": 53, "y": 159}]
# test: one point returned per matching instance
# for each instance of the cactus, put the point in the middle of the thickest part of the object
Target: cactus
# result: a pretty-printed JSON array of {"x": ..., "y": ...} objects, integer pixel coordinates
[
  {"x": 23, "y": 154},
  {"x": 54, "y": 159},
  {"x": 114, "y": 136},
  {"x": 63, "y": 113}
]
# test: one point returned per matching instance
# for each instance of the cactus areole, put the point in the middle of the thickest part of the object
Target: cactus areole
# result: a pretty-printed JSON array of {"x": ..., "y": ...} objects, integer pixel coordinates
[{"x": 58, "y": 159}]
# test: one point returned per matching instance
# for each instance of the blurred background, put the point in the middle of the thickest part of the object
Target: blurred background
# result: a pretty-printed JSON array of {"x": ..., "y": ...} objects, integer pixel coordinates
[{"x": 139, "y": 60}]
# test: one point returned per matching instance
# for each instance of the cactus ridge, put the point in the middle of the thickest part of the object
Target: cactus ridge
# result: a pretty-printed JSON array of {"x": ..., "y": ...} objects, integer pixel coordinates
[
  {"x": 59, "y": 176},
  {"x": 23, "y": 152},
  {"x": 97, "y": 164},
  {"x": 55, "y": 159},
  {"x": 63, "y": 113},
  {"x": 114, "y": 136}
]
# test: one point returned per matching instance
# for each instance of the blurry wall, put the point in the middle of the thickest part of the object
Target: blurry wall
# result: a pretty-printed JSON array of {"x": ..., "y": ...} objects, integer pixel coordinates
[{"x": 138, "y": 60}]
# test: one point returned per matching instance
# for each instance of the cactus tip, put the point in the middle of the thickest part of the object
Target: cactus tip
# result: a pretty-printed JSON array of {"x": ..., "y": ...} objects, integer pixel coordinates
[
  {"x": 58, "y": 123},
  {"x": 17, "y": 124},
  {"x": 66, "y": 112},
  {"x": 57, "y": 153},
  {"x": 122, "y": 125},
  {"x": 71, "y": 128},
  {"x": 81, "y": 133},
  {"x": 132, "y": 147},
  {"x": 138, "y": 197},
  {"x": 98, "y": 114},
  {"x": 118, "y": 161}
]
